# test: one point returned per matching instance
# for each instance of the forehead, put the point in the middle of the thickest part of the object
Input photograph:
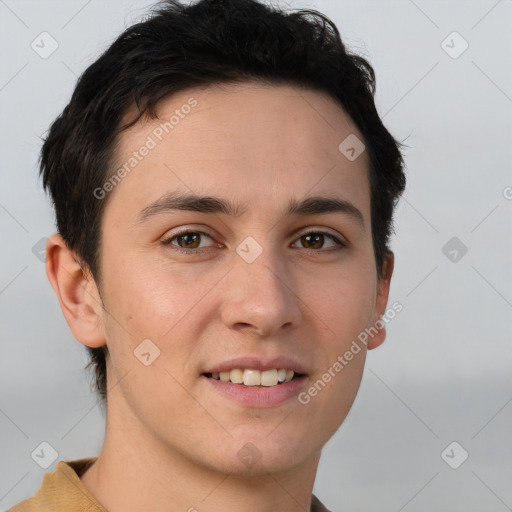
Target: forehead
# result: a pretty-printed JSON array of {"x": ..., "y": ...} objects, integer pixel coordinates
[{"x": 245, "y": 141}]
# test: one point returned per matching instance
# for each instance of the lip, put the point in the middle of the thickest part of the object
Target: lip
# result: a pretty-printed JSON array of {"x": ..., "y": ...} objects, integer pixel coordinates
[
  {"x": 258, "y": 363},
  {"x": 255, "y": 396}
]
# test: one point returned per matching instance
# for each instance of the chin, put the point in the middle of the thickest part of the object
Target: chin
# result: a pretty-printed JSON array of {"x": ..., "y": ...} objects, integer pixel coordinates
[
  {"x": 269, "y": 451},
  {"x": 274, "y": 463}
]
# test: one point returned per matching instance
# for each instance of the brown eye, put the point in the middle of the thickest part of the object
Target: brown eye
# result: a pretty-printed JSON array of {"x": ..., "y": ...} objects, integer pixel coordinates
[
  {"x": 187, "y": 241},
  {"x": 316, "y": 240},
  {"x": 313, "y": 241},
  {"x": 190, "y": 240}
]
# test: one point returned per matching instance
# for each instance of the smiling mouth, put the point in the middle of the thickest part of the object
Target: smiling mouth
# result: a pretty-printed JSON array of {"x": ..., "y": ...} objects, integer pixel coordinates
[{"x": 255, "y": 378}]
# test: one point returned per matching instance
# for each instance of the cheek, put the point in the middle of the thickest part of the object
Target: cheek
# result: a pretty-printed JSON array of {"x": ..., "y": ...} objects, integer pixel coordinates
[
  {"x": 159, "y": 302},
  {"x": 344, "y": 301},
  {"x": 149, "y": 297},
  {"x": 150, "y": 311},
  {"x": 345, "y": 310}
]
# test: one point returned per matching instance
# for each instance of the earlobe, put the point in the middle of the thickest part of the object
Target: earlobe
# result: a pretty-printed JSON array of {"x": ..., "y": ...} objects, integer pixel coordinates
[
  {"x": 76, "y": 291},
  {"x": 381, "y": 302}
]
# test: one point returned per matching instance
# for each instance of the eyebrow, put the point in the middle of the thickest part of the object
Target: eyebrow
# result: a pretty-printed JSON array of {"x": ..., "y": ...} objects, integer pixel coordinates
[{"x": 316, "y": 205}]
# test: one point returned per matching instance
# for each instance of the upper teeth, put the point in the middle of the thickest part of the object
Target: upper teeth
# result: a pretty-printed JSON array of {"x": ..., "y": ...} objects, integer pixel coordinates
[{"x": 255, "y": 377}]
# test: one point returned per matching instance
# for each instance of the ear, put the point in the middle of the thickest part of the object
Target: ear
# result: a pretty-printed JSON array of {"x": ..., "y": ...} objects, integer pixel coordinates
[
  {"x": 77, "y": 292},
  {"x": 381, "y": 302}
]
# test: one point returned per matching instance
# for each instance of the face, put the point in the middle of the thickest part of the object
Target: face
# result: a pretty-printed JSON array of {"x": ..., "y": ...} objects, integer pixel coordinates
[{"x": 241, "y": 282}]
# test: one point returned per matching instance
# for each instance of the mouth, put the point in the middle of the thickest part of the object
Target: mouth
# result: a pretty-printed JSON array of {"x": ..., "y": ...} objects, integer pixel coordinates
[
  {"x": 255, "y": 378},
  {"x": 254, "y": 388},
  {"x": 256, "y": 381}
]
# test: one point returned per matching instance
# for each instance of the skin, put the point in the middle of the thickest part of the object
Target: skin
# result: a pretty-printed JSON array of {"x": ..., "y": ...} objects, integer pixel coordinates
[{"x": 259, "y": 146}]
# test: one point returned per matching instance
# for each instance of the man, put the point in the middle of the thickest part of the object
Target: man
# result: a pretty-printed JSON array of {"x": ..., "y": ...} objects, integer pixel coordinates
[{"x": 224, "y": 191}]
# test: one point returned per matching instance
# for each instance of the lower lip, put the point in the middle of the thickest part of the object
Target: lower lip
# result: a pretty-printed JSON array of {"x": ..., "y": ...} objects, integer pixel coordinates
[{"x": 260, "y": 397}]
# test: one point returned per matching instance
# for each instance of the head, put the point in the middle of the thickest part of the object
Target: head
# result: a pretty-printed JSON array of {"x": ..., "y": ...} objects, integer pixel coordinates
[{"x": 242, "y": 103}]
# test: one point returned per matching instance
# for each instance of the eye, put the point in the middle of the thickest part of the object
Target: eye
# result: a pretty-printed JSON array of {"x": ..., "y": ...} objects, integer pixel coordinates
[
  {"x": 316, "y": 239},
  {"x": 187, "y": 241}
]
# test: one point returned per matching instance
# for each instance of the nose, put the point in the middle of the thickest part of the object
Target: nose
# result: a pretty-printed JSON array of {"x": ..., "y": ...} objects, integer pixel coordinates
[{"x": 261, "y": 296}]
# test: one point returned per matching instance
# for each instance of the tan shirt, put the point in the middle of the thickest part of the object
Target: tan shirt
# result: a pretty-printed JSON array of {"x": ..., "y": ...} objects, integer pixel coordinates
[{"x": 63, "y": 491}]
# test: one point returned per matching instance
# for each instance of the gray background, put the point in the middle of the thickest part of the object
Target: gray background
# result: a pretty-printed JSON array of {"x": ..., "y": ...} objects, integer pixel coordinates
[{"x": 443, "y": 374}]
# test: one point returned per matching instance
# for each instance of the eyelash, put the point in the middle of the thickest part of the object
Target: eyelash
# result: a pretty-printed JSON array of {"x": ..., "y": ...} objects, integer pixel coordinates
[{"x": 167, "y": 241}]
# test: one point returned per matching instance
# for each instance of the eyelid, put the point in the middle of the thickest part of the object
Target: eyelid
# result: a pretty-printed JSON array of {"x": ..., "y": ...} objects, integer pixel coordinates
[{"x": 323, "y": 231}]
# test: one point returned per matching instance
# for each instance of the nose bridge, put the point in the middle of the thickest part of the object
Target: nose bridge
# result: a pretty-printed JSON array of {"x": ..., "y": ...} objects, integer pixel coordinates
[
  {"x": 259, "y": 291},
  {"x": 266, "y": 273},
  {"x": 262, "y": 267}
]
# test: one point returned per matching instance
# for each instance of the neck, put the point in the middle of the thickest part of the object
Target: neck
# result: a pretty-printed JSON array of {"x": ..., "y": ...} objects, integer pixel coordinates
[{"x": 134, "y": 471}]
